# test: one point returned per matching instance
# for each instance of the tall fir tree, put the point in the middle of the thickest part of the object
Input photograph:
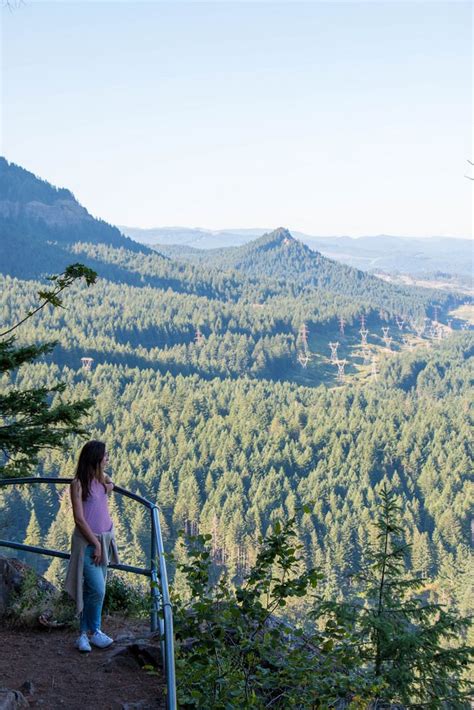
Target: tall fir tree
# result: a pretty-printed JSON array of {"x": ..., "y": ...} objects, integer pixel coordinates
[{"x": 415, "y": 647}]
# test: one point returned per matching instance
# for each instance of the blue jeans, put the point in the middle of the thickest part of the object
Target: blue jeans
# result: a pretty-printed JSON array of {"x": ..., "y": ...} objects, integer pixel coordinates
[{"x": 93, "y": 592}]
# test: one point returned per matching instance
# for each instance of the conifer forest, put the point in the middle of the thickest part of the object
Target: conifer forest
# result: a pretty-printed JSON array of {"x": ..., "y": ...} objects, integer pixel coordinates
[{"x": 240, "y": 389}]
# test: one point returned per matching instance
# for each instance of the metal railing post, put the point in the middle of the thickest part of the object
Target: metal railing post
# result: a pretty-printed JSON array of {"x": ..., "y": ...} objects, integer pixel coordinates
[
  {"x": 167, "y": 615},
  {"x": 153, "y": 579}
]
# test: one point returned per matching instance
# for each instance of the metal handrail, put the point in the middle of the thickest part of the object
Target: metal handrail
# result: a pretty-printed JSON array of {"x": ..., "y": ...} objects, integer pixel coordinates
[{"x": 161, "y": 614}]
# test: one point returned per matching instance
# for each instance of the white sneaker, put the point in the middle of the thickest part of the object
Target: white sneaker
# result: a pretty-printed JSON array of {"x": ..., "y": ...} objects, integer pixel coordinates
[
  {"x": 100, "y": 639},
  {"x": 82, "y": 643}
]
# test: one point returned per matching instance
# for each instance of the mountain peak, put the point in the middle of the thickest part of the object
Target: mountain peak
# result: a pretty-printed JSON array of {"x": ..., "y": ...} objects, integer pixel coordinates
[
  {"x": 279, "y": 237},
  {"x": 281, "y": 233}
]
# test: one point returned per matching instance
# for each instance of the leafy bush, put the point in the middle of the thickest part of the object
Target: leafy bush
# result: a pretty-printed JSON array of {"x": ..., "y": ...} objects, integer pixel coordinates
[
  {"x": 37, "y": 602},
  {"x": 125, "y": 598},
  {"x": 232, "y": 650},
  {"x": 385, "y": 645},
  {"x": 30, "y": 601}
]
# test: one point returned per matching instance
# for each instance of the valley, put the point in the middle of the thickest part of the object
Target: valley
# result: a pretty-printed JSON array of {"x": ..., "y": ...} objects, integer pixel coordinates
[{"x": 237, "y": 388}]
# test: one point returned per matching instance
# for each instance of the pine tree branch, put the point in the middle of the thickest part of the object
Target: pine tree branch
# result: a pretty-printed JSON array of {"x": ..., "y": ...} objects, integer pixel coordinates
[{"x": 64, "y": 280}]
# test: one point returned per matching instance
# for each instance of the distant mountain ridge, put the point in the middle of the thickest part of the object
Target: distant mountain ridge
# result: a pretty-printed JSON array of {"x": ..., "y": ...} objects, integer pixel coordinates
[
  {"x": 44, "y": 228},
  {"x": 194, "y": 237},
  {"x": 393, "y": 254},
  {"x": 279, "y": 256}
]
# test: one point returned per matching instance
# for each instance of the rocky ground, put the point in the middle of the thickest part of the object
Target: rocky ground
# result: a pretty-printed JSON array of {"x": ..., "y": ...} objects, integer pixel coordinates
[{"x": 52, "y": 674}]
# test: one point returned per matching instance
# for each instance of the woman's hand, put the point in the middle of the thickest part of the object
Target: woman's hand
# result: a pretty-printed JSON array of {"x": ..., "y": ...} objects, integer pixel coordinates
[
  {"x": 97, "y": 556},
  {"x": 109, "y": 484}
]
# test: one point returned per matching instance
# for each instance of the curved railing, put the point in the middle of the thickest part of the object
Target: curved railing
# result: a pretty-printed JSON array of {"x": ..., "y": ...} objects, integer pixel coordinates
[{"x": 161, "y": 615}]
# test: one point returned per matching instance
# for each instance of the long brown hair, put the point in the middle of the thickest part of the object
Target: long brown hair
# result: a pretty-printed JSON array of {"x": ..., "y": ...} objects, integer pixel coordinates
[{"x": 88, "y": 466}]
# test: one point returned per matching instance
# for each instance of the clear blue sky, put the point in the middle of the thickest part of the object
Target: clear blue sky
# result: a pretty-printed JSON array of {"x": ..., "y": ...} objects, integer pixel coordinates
[{"x": 328, "y": 117}]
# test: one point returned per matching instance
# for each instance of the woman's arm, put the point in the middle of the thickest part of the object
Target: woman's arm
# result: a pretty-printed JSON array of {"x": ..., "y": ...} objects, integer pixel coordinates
[
  {"x": 109, "y": 484},
  {"x": 78, "y": 512}
]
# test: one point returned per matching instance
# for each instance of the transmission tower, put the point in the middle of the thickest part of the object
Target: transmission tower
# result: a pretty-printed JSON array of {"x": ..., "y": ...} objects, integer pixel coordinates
[
  {"x": 87, "y": 362},
  {"x": 363, "y": 335},
  {"x": 334, "y": 347},
  {"x": 386, "y": 337},
  {"x": 198, "y": 337},
  {"x": 342, "y": 323},
  {"x": 400, "y": 322},
  {"x": 303, "y": 333},
  {"x": 435, "y": 312},
  {"x": 340, "y": 370},
  {"x": 303, "y": 359}
]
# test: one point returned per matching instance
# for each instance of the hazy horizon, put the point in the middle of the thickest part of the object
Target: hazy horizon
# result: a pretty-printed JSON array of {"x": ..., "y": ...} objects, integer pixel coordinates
[
  {"x": 347, "y": 118},
  {"x": 291, "y": 230}
]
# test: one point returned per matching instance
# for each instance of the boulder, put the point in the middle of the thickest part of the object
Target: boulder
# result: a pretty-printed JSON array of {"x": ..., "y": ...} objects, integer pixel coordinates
[
  {"x": 12, "y": 574},
  {"x": 10, "y": 581},
  {"x": 135, "y": 654}
]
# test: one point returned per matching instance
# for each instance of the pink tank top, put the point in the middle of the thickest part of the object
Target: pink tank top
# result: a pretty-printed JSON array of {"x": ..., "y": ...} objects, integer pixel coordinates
[{"x": 96, "y": 509}]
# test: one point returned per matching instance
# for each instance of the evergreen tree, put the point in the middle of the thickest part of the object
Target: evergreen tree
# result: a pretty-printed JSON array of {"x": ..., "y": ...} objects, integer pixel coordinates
[
  {"x": 33, "y": 532},
  {"x": 413, "y": 646},
  {"x": 421, "y": 554},
  {"x": 29, "y": 421},
  {"x": 59, "y": 538}
]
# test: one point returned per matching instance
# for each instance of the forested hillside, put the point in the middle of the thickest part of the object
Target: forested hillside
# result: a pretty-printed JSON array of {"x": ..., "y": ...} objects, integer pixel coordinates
[
  {"x": 215, "y": 325},
  {"x": 277, "y": 255},
  {"x": 39, "y": 222},
  {"x": 229, "y": 457},
  {"x": 443, "y": 256},
  {"x": 236, "y": 390}
]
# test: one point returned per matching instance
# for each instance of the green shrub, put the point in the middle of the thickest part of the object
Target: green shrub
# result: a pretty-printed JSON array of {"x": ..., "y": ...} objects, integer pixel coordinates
[
  {"x": 34, "y": 599},
  {"x": 385, "y": 645},
  {"x": 234, "y": 652},
  {"x": 125, "y": 598}
]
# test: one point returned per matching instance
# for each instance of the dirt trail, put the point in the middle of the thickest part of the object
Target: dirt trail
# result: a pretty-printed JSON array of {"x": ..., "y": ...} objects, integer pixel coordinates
[{"x": 64, "y": 678}]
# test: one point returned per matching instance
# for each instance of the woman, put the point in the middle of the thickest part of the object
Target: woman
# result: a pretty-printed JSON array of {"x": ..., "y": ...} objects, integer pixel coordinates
[{"x": 93, "y": 543}]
